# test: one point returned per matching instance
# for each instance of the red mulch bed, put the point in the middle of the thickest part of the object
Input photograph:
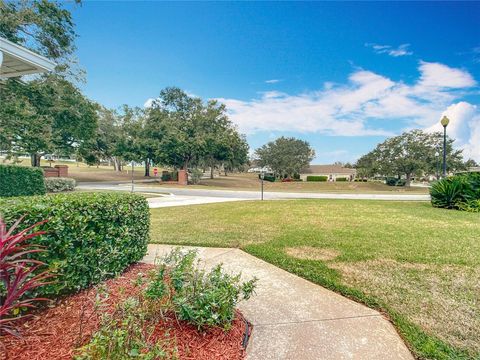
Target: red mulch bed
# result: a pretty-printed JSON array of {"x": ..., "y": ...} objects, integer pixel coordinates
[{"x": 54, "y": 332}]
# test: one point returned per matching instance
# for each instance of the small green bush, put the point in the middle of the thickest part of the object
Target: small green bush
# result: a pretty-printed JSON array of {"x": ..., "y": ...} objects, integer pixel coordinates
[
  {"x": 204, "y": 299},
  {"x": 341, "y": 179},
  {"x": 21, "y": 181},
  {"x": 317, "y": 178},
  {"x": 89, "y": 236},
  {"x": 123, "y": 334},
  {"x": 393, "y": 181},
  {"x": 59, "y": 184},
  {"x": 460, "y": 192},
  {"x": 196, "y": 176},
  {"x": 166, "y": 177}
]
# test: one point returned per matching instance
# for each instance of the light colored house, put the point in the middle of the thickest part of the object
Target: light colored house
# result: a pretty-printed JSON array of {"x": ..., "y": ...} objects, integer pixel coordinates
[
  {"x": 332, "y": 172},
  {"x": 15, "y": 61}
]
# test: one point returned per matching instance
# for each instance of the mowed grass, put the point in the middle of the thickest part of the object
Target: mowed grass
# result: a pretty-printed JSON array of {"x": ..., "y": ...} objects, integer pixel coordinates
[{"x": 418, "y": 264}]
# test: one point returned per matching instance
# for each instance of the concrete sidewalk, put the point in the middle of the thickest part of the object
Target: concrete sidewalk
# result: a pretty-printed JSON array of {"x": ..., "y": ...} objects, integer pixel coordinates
[
  {"x": 174, "y": 200},
  {"x": 298, "y": 320}
]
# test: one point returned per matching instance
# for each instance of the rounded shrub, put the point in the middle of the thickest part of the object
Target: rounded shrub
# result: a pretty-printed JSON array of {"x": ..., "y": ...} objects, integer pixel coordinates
[
  {"x": 88, "y": 236},
  {"x": 59, "y": 184}
]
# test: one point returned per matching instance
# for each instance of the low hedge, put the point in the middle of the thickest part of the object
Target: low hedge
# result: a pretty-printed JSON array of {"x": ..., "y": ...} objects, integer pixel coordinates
[
  {"x": 317, "y": 178},
  {"x": 90, "y": 236},
  {"x": 59, "y": 184},
  {"x": 21, "y": 181},
  {"x": 341, "y": 179}
]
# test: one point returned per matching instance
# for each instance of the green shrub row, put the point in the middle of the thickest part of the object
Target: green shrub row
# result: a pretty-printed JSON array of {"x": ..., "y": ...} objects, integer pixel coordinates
[
  {"x": 59, "y": 184},
  {"x": 461, "y": 192},
  {"x": 89, "y": 236},
  {"x": 317, "y": 178},
  {"x": 21, "y": 181},
  {"x": 341, "y": 179}
]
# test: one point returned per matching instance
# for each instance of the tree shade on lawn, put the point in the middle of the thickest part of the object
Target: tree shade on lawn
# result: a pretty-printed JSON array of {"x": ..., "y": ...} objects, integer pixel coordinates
[{"x": 417, "y": 263}]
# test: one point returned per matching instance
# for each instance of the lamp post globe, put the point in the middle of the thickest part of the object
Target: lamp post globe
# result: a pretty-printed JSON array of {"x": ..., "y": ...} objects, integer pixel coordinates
[{"x": 445, "y": 120}]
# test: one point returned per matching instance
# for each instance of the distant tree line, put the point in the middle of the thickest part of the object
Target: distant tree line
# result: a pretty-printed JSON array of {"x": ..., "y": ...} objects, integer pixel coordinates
[{"x": 178, "y": 130}]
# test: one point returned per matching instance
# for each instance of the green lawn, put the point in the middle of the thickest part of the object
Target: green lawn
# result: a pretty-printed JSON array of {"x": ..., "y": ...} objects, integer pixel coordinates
[{"x": 418, "y": 264}]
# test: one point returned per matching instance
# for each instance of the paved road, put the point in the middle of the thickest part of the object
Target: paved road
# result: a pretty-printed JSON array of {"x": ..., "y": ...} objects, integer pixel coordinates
[
  {"x": 189, "y": 196},
  {"x": 295, "y": 319}
]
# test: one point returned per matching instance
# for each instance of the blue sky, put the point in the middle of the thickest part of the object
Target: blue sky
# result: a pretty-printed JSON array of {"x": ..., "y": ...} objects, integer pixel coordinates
[{"x": 341, "y": 75}]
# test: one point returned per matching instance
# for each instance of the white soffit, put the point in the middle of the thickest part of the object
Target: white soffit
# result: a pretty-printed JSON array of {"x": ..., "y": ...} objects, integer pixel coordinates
[{"x": 15, "y": 60}]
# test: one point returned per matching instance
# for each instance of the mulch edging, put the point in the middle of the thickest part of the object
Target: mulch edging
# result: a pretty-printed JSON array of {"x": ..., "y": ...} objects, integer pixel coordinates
[{"x": 55, "y": 332}]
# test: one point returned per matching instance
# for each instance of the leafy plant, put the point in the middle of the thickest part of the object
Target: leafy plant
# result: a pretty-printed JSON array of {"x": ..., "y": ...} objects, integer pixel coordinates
[
  {"x": 17, "y": 274},
  {"x": 123, "y": 334},
  {"x": 196, "y": 176},
  {"x": 90, "y": 236},
  {"x": 59, "y": 184},
  {"x": 204, "y": 299},
  {"x": 457, "y": 192}
]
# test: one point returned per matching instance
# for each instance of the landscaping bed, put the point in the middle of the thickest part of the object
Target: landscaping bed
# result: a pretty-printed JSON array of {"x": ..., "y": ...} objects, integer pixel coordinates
[{"x": 57, "y": 331}]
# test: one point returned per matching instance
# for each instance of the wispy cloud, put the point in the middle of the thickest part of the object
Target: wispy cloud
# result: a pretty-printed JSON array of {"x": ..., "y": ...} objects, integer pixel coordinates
[
  {"x": 272, "y": 81},
  {"x": 367, "y": 104},
  {"x": 401, "y": 50}
]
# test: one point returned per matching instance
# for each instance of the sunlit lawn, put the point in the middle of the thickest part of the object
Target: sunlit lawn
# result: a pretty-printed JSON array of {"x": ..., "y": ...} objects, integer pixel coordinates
[{"x": 419, "y": 264}]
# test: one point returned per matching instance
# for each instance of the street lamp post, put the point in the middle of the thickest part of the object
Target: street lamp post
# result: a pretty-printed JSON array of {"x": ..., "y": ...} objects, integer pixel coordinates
[
  {"x": 444, "y": 123},
  {"x": 437, "y": 163}
]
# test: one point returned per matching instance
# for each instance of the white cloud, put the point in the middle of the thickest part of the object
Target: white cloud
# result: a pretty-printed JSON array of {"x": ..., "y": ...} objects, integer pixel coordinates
[
  {"x": 436, "y": 75},
  {"x": 368, "y": 104},
  {"x": 273, "y": 81},
  {"x": 401, "y": 50}
]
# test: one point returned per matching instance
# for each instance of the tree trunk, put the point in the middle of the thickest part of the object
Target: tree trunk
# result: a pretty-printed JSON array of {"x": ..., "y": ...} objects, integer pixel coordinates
[
  {"x": 35, "y": 159},
  {"x": 408, "y": 180},
  {"x": 211, "y": 171},
  {"x": 117, "y": 164},
  {"x": 147, "y": 167}
]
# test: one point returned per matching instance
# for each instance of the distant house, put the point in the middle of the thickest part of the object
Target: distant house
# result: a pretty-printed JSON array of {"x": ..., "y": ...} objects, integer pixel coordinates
[{"x": 332, "y": 172}]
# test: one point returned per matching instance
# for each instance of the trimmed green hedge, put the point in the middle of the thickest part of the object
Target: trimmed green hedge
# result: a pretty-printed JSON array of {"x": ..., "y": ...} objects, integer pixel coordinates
[
  {"x": 90, "y": 236},
  {"x": 341, "y": 179},
  {"x": 21, "y": 181},
  {"x": 59, "y": 184},
  {"x": 317, "y": 178}
]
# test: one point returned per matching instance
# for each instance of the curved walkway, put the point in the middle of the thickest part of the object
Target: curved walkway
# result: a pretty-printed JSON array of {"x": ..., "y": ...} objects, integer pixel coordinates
[{"x": 295, "y": 319}]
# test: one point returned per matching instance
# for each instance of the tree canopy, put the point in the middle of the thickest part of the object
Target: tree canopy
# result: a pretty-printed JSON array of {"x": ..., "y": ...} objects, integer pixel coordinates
[
  {"x": 285, "y": 156},
  {"x": 47, "y": 115},
  {"x": 412, "y": 153}
]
